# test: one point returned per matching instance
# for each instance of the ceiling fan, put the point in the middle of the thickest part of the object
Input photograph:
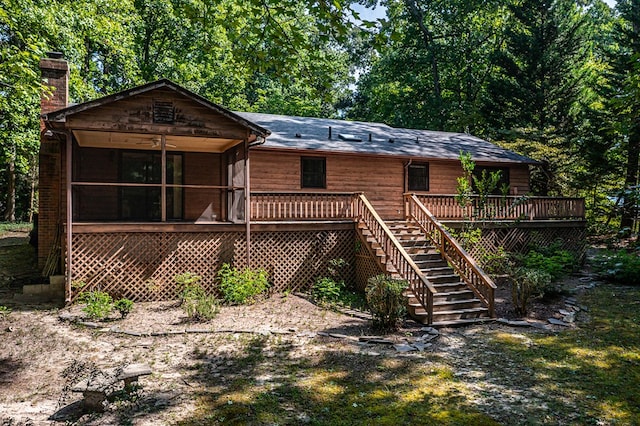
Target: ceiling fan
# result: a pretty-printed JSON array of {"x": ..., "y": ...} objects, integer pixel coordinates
[{"x": 155, "y": 143}]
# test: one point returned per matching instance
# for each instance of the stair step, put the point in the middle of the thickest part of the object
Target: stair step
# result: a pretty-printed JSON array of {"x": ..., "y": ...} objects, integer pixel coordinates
[
  {"x": 449, "y": 287},
  {"x": 454, "y": 295},
  {"x": 444, "y": 279},
  {"x": 455, "y": 305},
  {"x": 431, "y": 271}
]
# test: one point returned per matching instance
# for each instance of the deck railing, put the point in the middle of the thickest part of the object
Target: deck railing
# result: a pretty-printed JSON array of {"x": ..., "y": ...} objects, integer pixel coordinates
[
  {"x": 458, "y": 258},
  {"x": 445, "y": 207},
  {"x": 422, "y": 289},
  {"x": 282, "y": 206}
]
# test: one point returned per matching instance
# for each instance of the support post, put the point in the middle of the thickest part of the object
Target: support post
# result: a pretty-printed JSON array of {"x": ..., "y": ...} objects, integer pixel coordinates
[
  {"x": 247, "y": 201},
  {"x": 69, "y": 216},
  {"x": 163, "y": 190}
]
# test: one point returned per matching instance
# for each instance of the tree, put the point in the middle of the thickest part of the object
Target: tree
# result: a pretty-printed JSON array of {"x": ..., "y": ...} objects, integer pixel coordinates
[
  {"x": 432, "y": 68},
  {"x": 532, "y": 101},
  {"x": 624, "y": 102}
]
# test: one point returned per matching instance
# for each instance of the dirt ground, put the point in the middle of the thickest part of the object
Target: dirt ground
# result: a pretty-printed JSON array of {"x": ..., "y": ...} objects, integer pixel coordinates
[{"x": 45, "y": 350}]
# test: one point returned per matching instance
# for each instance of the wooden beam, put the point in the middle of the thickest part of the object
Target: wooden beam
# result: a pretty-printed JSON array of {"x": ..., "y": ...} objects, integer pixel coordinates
[
  {"x": 163, "y": 190},
  {"x": 247, "y": 200},
  {"x": 69, "y": 219}
]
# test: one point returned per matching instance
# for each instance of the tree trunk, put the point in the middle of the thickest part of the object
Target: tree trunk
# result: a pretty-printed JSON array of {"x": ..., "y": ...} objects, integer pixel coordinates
[
  {"x": 10, "y": 211},
  {"x": 631, "y": 179}
]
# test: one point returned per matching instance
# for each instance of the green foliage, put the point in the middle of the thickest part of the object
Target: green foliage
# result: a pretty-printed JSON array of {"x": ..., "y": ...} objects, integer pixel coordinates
[
  {"x": 497, "y": 263},
  {"x": 4, "y": 311},
  {"x": 386, "y": 301},
  {"x": 621, "y": 267},
  {"x": 124, "y": 306},
  {"x": 197, "y": 304},
  {"x": 557, "y": 263},
  {"x": 527, "y": 283},
  {"x": 242, "y": 287},
  {"x": 326, "y": 290},
  {"x": 98, "y": 304}
]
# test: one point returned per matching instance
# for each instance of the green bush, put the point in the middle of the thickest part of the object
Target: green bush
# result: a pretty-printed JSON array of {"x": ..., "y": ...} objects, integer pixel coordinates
[
  {"x": 4, "y": 311},
  {"x": 326, "y": 290},
  {"x": 386, "y": 301},
  {"x": 527, "y": 283},
  {"x": 124, "y": 306},
  {"x": 242, "y": 287},
  {"x": 559, "y": 264},
  {"x": 621, "y": 267},
  {"x": 196, "y": 303},
  {"x": 98, "y": 304},
  {"x": 497, "y": 263}
]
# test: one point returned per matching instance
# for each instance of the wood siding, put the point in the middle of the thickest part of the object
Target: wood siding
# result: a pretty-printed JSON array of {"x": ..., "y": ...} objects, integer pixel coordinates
[
  {"x": 382, "y": 179},
  {"x": 135, "y": 114}
]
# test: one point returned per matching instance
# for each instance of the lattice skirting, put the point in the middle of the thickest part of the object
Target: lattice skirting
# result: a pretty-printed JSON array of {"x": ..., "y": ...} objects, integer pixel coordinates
[
  {"x": 141, "y": 266},
  {"x": 521, "y": 239},
  {"x": 366, "y": 267}
]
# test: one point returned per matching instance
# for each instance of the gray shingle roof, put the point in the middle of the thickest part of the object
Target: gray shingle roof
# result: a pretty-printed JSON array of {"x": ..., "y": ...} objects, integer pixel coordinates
[{"x": 314, "y": 135}]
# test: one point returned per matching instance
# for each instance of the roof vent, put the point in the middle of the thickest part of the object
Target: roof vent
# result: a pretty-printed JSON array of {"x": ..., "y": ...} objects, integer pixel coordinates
[
  {"x": 163, "y": 112},
  {"x": 349, "y": 137}
]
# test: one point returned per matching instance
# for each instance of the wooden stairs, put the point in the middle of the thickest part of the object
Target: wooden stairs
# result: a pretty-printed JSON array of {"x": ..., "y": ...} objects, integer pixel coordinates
[{"x": 454, "y": 303}]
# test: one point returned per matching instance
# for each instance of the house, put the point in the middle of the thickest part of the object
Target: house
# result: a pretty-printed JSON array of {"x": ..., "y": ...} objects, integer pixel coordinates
[{"x": 141, "y": 185}]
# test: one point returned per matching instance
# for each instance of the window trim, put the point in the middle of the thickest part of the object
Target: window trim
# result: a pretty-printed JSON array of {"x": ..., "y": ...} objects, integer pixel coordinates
[
  {"x": 324, "y": 172},
  {"x": 408, "y": 180}
]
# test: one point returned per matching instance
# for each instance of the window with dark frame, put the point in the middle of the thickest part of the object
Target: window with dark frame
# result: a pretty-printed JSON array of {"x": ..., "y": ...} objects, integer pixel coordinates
[
  {"x": 313, "y": 172},
  {"x": 418, "y": 177}
]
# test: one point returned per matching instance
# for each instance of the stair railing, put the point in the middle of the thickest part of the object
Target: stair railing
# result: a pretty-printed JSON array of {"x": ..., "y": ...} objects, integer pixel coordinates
[
  {"x": 421, "y": 287},
  {"x": 464, "y": 265}
]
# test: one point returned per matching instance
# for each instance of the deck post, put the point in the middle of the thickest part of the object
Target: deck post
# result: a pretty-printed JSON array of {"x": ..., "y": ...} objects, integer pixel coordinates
[
  {"x": 247, "y": 201},
  {"x": 163, "y": 186},
  {"x": 69, "y": 215}
]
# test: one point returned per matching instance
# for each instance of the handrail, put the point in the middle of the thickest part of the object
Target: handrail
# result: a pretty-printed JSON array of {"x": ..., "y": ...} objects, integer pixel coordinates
[
  {"x": 280, "y": 206},
  {"x": 472, "y": 274},
  {"x": 422, "y": 288},
  {"x": 495, "y": 207}
]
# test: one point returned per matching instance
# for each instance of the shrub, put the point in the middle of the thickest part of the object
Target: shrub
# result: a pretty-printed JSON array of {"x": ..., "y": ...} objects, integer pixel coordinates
[
  {"x": 197, "y": 304},
  {"x": 557, "y": 263},
  {"x": 98, "y": 304},
  {"x": 242, "y": 287},
  {"x": 497, "y": 263},
  {"x": 124, "y": 306},
  {"x": 386, "y": 301},
  {"x": 326, "y": 290},
  {"x": 4, "y": 311},
  {"x": 622, "y": 267},
  {"x": 527, "y": 283}
]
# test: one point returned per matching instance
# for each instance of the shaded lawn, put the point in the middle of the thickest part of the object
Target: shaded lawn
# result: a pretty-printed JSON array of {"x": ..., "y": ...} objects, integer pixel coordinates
[
  {"x": 590, "y": 375},
  {"x": 596, "y": 367},
  {"x": 335, "y": 387}
]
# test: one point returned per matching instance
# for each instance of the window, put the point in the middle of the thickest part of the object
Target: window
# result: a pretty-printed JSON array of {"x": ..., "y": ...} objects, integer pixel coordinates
[
  {"x": 418, "y": 177},
  {"x": 504, "y": 177},
  {"x": 314, "y": 172}
]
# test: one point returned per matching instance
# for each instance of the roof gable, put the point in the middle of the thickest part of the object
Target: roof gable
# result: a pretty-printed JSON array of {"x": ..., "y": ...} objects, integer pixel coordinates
[{"x": 154, "y": 101}]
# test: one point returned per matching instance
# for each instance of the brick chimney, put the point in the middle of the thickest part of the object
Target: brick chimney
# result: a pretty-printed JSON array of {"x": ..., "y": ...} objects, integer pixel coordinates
[{"x": 55, "y": 74}]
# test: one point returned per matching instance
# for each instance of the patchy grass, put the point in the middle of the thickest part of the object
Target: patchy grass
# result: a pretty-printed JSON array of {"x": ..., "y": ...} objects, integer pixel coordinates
[
  {"x": 590, "y": 375},
  {"x": 6, "y": 227},
  {"x": 334, "y": 387},
  {"x": 500, "y": 375}
]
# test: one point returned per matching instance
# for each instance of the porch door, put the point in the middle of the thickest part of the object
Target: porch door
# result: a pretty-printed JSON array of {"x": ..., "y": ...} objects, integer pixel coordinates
[{"x": 236, "y": 179}]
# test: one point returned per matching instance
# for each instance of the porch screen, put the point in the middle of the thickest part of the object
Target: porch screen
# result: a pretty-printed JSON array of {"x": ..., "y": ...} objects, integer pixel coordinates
[{"x": 125, "y": 185}]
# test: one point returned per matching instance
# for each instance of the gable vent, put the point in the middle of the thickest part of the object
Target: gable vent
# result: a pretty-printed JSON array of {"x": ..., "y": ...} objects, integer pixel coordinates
[{"x": 163, "y": 112}]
